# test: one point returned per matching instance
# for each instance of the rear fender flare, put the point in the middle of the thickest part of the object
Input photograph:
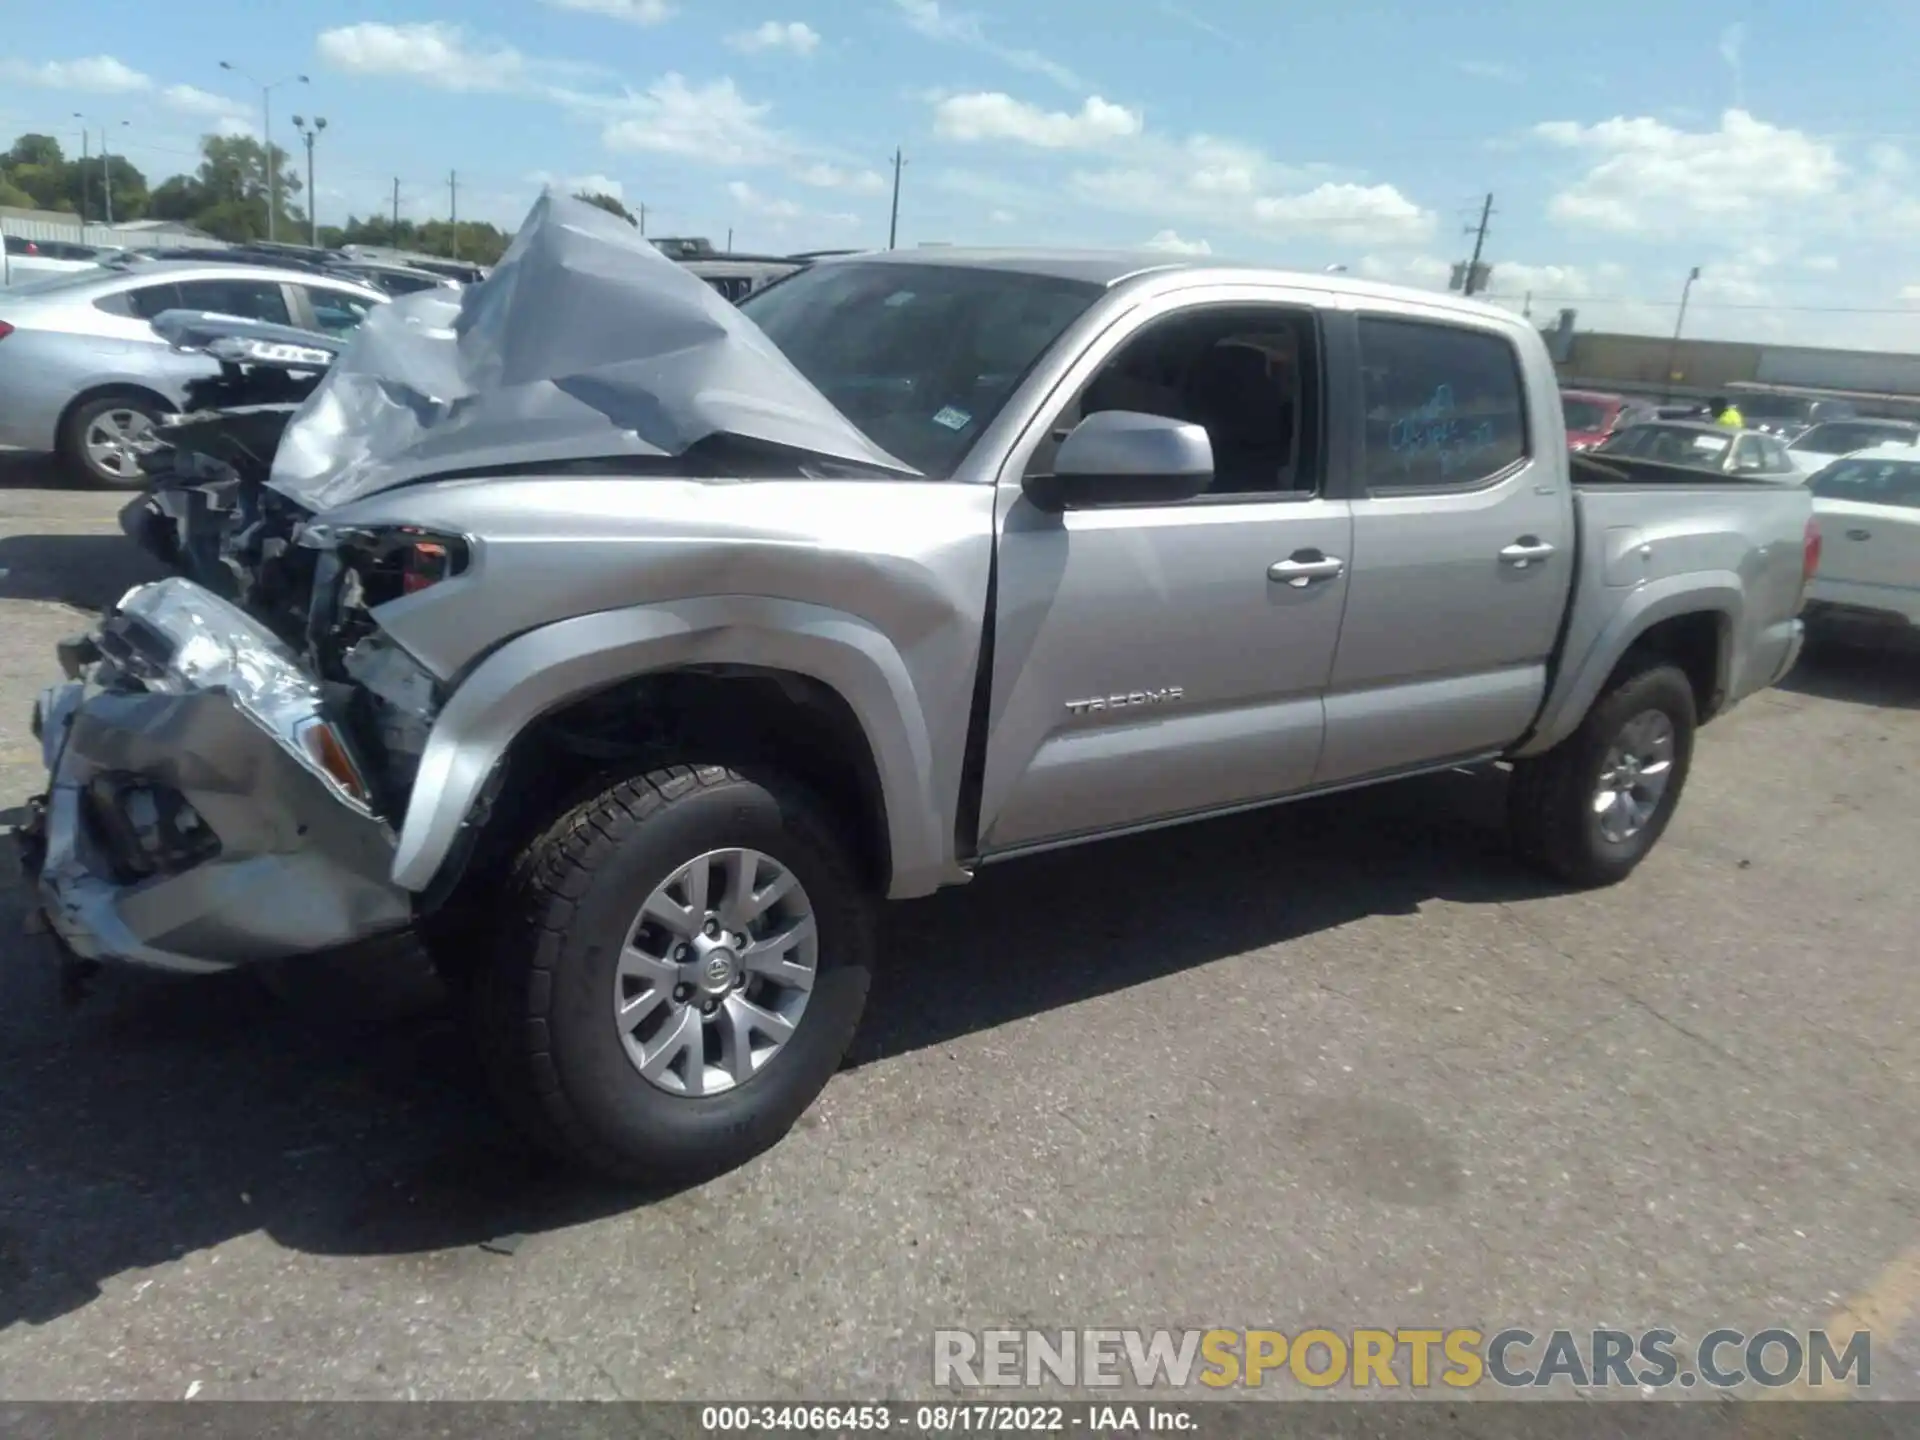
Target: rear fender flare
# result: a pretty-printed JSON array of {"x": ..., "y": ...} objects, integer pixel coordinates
[
  {"x": 544, "y": 669},
  {"x": 1582, "y": 677}
]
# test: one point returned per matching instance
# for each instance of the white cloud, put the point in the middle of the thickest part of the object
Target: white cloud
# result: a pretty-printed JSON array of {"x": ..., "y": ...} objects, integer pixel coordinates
[
  {"x": 1170, "y": 243},
  {"x": 1197, "y": 22},
  {"x": 751, "y": 199},
  {"x": 823, "y": 176},
  {"x": 1001, "y": 217},
  {"x": 433, "y": 52},
  {"x": 1910, "y": 292},
  {"x": 712, "y": 122},
  {"x": 795, "y": 35},
  {"x": 635, "y": 12},
  {"x": 958, "y": 27},
  {"x": 1733, "y": 44},
  {"x": 1370, "y": 214},
  {"x": 189, "y": 100},
  {"x": 1647, "y": 177},
  {"x": 593, "y": 184},
  {"x": 994, "y": 115},
  {"x": 97, "y": 74}
]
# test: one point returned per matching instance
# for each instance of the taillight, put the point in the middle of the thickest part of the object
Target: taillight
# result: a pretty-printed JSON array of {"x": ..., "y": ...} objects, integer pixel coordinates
[
  {"x": 5, "y": 329},
  {"x": 1809, "y": 556}
]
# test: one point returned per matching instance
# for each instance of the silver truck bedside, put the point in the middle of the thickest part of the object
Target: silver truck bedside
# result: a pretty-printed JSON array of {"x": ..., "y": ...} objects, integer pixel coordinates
[{"x": 212, "y": 816}]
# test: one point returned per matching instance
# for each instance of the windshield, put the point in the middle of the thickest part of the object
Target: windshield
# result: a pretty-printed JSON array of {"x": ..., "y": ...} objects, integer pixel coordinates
[
  {"x": 1672, "y": 444},
  {"x": 920, "y": 357},
  {"x": 1870, "y": 482},
  {"x": 1845, "y": 436},
  {"x": 1586, "y": 416}
]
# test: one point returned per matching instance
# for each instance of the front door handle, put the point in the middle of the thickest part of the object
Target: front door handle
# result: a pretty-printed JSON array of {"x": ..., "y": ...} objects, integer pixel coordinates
[
  {"x": 1859, "y": 534},
  {"x": 1524, "y": 551},
  {"x": 1303, "y": 567}
]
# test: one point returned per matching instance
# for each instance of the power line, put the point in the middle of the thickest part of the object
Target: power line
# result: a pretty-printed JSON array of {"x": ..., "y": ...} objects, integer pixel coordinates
[{"x": 1913, "y": 309}]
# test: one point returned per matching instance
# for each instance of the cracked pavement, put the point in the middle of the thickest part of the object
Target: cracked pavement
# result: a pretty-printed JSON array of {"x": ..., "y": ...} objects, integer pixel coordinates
[{"x": 1337, "y": 1064}]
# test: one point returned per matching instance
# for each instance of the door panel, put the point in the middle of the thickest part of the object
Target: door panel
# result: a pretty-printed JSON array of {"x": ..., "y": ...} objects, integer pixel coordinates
[
  {"x": 1121, "y": 607},
  {"x": 1459, "y": 579}
]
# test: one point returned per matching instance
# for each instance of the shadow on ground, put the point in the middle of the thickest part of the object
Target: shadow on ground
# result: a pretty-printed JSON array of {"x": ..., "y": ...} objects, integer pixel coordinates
[
  {"x": 28, "y": 470},
  {"x": 159, "y": 1117},
  {"x": 1870, "y": 671}
]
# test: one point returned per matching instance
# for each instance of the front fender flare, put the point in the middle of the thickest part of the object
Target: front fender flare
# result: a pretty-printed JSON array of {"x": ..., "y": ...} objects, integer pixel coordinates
[
  {"x": 1582, "y": 675},
  {"x": 544, "y": 669}
]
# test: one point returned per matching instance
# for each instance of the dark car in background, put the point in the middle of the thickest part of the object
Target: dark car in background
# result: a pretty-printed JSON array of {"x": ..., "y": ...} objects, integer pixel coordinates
[
  {"x": 1789, "y": 416},
  {"x": 1592, "y": 416}
]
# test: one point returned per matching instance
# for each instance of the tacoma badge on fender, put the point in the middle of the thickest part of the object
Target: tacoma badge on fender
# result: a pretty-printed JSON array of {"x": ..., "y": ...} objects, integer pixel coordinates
[{"x": 1132, "y": 697}]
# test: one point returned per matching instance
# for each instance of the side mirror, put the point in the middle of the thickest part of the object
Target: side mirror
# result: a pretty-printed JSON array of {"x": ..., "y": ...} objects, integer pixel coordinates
[{"x": 1122, "y": 457}]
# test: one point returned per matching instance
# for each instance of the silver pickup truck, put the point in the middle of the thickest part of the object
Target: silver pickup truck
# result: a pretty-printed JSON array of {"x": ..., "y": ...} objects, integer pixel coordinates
[{"x": 629, "y": 648}]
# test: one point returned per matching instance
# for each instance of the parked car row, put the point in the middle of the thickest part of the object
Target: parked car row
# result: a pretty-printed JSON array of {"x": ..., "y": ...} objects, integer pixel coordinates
[{"x": 84, "y": 374}]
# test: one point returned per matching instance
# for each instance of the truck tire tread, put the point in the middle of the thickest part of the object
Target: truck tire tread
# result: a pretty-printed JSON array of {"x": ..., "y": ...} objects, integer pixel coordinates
[
  {"x": 1549, "y": 809},
  {"x": 514, "y": 993}
]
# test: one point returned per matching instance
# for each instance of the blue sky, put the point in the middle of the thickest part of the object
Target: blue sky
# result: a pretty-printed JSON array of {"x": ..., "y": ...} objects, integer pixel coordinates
[{"x": 1775, "y": 145}]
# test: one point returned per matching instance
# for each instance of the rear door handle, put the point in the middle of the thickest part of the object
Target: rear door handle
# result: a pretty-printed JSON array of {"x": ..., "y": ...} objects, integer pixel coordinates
[
  {"x": 1524, "y": 551},
  {"x": 1859, "y": 534},
  {"x": 1304, "y": 567}
]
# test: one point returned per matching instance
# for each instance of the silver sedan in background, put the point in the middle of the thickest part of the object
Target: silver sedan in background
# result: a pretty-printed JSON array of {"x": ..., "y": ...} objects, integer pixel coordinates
[{"x": 83, "y": 374}]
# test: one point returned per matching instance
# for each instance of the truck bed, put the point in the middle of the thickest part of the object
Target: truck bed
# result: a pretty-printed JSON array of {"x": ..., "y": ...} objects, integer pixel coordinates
[{"x": 1594, "y": 472}]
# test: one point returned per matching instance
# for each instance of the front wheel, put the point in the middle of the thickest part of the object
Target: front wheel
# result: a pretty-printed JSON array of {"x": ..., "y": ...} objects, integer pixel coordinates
[
  {"x": 1590, "y": 809},
  {"x": 685, "y": 962}
]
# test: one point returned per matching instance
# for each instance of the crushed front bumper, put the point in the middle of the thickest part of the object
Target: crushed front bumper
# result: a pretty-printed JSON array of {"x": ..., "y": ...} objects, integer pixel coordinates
[{"x": 202, "y": 810}]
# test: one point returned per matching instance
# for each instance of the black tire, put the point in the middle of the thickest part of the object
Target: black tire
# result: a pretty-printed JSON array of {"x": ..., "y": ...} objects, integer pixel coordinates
[
  {"x": 542, "y": 1001},
  {"x": 71, "y": 449},
  {"x": 1550, "y": 810}
]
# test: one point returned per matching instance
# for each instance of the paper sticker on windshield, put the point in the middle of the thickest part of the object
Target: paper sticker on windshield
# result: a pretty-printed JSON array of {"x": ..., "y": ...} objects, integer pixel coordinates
[{"x": 953, "y": 419}]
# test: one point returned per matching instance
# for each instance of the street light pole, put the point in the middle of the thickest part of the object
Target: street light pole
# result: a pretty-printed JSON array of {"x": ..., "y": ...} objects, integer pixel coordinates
[
  {"x": 266, "y": 132},
  {"x": 1673, "y": 346},
  {"x": 310, "y": 133}
]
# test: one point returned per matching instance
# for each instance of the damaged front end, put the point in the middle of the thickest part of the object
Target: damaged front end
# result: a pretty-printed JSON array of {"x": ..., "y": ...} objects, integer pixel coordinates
[{"x": 220, "y": 793}]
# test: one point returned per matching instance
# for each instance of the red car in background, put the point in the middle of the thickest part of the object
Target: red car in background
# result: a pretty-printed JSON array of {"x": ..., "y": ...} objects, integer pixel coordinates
[{"x": 1592, "y": 416}]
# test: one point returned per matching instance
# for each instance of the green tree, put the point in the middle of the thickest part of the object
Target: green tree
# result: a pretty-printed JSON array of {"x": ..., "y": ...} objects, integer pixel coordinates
[
  {"x": 609, "y": 203},
  {"x": 231, "y": 190},
  {"x": 12, "y": 194},
  {"x": 177, "y": 198}
]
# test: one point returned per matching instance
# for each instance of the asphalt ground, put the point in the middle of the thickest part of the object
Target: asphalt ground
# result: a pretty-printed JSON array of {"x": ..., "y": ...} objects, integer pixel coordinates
[{"x": 1340, "y": 1064}]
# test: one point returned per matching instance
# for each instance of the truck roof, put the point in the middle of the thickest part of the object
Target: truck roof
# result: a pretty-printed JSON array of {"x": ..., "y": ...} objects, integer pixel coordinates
[{"x": 1113, "y": 267}]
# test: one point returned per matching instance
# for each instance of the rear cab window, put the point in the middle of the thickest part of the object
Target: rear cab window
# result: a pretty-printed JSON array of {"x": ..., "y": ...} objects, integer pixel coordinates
[{"x": 1445, "y": 405}]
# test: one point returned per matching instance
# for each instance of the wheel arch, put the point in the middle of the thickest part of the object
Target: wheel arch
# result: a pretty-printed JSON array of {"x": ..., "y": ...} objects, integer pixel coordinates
[
  {"x": 1689, "y": 620},
  {"x": 811, "y": 690}
]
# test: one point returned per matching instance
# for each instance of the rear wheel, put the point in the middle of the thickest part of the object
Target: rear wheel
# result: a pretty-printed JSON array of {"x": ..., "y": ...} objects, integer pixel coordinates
[
  {"x": 1590, "y": 809},
  {"x": 685, "y": 963},
  {"x": 101, "y": 442}
]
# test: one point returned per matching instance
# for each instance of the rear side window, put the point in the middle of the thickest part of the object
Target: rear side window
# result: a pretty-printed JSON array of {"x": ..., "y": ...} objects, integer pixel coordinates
[
  {"x": 247, "y": 299},
  {"x": 1444, "y": 405},
  {"x": 145, "y": 301}
]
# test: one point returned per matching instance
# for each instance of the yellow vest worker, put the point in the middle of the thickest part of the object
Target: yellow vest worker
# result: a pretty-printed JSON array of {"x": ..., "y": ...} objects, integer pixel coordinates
[{"x": 1727, "y": 414}]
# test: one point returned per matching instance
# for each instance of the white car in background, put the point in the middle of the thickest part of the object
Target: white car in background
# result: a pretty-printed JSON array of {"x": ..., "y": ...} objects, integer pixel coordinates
[
  {"x": 1813, "y": 449},
  {"x": 1868, "y": 508}
]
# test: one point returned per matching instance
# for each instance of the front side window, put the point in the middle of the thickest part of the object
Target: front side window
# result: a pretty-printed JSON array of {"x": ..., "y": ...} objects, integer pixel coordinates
[
  {"x": 920, "y": 357},
  {"x": 1845, "y": 436},
  {"x": 244, "y": 299},
  {"x": 1445, "y": 408},
  {"x": 337, "y": 311}
]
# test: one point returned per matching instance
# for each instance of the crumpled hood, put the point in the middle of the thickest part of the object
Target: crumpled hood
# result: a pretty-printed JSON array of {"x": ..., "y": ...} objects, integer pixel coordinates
[{"x": 585, "y": 342}]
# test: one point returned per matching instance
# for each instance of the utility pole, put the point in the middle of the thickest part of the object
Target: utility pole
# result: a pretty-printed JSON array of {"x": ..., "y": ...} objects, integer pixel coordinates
[
  {"x": 893, "y": 225},
  {"x": 1673, "y": 345},
  {"x": 1479, "y": 244},
  {"x": 396, "y": 210},
  {"x": 453, "y": 209},
  {"x": 729, "y": 239},
  {"x": 86, "y": 139},
  {"x": 310, "y": 133},
  {"x": 643, "y": 220}
]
